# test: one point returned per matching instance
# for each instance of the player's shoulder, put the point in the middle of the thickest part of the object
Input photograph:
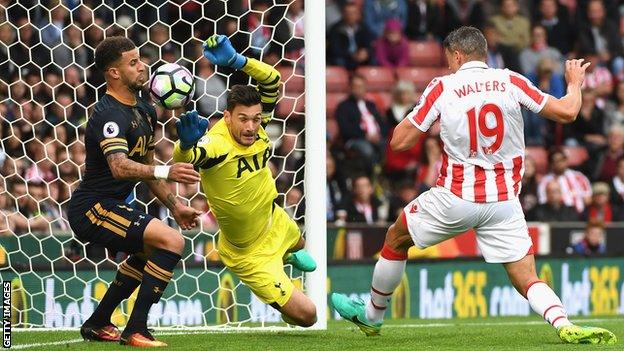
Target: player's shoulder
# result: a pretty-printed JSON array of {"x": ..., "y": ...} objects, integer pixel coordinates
[
  {"x": 217, "y": 136},
  {"x": 106, "y": 108}
]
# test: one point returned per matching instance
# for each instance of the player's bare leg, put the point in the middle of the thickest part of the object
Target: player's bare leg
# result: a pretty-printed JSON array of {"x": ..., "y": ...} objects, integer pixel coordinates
[
  {"x": 299, "y": 310},
  {"x": 546, "y": 303},
  {"x": 299, "y": 257},
  {"x": 163, "y": 246},
  {"x": 387, "y": 276}
]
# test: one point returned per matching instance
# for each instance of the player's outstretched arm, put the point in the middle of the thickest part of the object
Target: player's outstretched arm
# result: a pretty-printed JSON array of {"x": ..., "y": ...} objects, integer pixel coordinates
[
  {"x": 124, "y": 168},
  {"x": 219, "y": 50},
  {"x": 565, "y": 109},
  {"x": 191, "y": 149}
]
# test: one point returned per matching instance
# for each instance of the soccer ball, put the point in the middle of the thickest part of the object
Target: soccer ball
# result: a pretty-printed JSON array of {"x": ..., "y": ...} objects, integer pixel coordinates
[{"x": 171, "y": 86}]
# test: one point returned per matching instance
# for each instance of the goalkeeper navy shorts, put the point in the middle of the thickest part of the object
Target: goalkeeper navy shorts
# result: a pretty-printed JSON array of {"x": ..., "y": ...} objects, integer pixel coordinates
[{"x": 108, "y": 222}]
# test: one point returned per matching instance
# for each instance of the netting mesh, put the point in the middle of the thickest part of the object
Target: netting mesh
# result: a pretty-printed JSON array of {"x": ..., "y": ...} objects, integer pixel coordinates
[{"x": 48, "y": 87}]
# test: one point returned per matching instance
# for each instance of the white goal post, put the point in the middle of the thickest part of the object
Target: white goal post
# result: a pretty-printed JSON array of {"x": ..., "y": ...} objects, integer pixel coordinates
[{"x": 315, "y": 148}]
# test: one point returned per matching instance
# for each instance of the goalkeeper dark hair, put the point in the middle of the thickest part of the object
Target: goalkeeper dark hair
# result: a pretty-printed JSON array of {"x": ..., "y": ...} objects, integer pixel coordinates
[
  {"x": 245, "y": 95},
  {"x": 110, "y": 49}
]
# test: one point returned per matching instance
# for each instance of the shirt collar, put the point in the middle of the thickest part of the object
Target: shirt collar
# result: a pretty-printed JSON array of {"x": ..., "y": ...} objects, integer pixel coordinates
[{"x": 473, "y": 64}]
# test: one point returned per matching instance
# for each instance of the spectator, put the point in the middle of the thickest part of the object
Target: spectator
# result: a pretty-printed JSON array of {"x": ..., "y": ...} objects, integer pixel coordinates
[
  {"x": 513, "y": 27},
  {"x": 23, "y": 211},
  {"x": 553, "y": 209},
  {"x": 599, "y": 78},
  {"x": 535, "y": 126},
  {"x": 336, "y": 188},
  {"x": 392, "y": 49},
  {"x": 332, "y": 12},
  {"x": 605, "y": 165},
  {"x": 423, "y": 20},
  {"x": 361, "y": 126},
  {"x": 349, "y": 41},
  {"x": 378, "y": 12},
  {"x": 588, "y": 128},
  {"x": 575, "y": 187},
  {"x": 538, "y": 50},
  {"x": 559, "y": 32},
  {"x": 499, "y": 55},
  {"x": 592, "y": 243},
  {"x": 528, "y": 195},
  {"x": 457, "y": 13},
  {"x": 402, "y": 165},
  {"x": 614, "y": 109},
  {"x": 601, "y": 37},
  {"x": 617, "y": 184},
  {"x": 431, "y": 161},
  {"x": 403, "y": 100},
  {"x": 362, "y": 206},
  {"x": 601, "y": 209},
  {"x": 8, "y": 69}
]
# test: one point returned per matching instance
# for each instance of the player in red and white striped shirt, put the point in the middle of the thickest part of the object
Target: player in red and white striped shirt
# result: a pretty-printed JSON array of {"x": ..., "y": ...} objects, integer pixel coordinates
[{"x": 481, "y": 127}]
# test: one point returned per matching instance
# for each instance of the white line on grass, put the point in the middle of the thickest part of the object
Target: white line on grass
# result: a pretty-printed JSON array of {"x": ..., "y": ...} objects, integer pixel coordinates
[
  {"x": 169, "y": 331},
  {"x": 40, "y": 344}
]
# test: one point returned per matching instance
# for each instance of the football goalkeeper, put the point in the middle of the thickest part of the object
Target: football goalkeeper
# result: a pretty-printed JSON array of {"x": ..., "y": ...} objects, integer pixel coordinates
[{"x": 257, "y": 236}]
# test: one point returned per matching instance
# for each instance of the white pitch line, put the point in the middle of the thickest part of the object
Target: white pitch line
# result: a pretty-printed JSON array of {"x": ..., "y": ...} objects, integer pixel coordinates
[
  {"x": 168, "y": 331},
  {"x": 27, "y": 346}
]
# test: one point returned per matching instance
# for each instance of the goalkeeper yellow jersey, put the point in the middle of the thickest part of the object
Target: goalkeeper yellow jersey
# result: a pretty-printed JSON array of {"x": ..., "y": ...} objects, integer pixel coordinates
[{"x": 236, "y": 179}]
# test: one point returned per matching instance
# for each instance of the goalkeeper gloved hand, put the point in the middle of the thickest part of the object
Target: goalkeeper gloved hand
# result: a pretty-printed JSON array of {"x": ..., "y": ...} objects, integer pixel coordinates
[
  {"x": 219, "y": 51},
  {"x": 190, "y": 128}
]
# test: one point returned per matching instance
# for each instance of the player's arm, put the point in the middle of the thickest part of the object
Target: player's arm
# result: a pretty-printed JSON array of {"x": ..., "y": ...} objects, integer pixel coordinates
[
  {"x": 110, "y": 130},
  {"x": 190, "y": 149},
  {"x": 565, "y": 109},
  {"x": 404, "y": 136},
  {"x": 268, "y": 79},
  {"x": 219, "y": 50},
  {"x": 407, "y": 133},
  {"x": 124, "y": 168},
  {"x": 184, "y": 215}
]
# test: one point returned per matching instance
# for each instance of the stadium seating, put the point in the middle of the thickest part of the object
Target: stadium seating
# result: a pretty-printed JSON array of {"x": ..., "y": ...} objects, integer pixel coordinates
[
  {"x": 377, "y": 78},
  {"x": 337, "y": 79},
  {"x": 288, "y": 105},
  {"x": 420, "y": 76},
  {"x": 294, "y": 83},
  {"x": 426, "y": 54}
]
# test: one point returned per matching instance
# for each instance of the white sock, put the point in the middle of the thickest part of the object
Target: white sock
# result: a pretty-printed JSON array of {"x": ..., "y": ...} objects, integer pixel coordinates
[
  {"x": 386, "y": 277},
  {"x": 547, "y": 304}
]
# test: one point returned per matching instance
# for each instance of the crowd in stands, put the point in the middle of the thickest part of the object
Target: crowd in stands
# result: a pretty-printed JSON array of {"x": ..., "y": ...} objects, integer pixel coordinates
[
  {"x": 381, "y": 54},
  {"x": 49, "y": 85}
]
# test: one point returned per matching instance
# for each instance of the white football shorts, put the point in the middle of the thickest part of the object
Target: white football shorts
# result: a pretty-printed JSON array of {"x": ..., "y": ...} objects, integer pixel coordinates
[{"x": 437, "y": 215}]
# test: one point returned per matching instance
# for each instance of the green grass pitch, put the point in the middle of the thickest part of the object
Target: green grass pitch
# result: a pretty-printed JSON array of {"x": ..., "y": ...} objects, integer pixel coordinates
[{"x": 524, "y": 333}]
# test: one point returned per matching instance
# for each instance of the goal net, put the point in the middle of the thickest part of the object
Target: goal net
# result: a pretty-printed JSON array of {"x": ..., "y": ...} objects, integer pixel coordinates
[{"x": 48, "y": 87}]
